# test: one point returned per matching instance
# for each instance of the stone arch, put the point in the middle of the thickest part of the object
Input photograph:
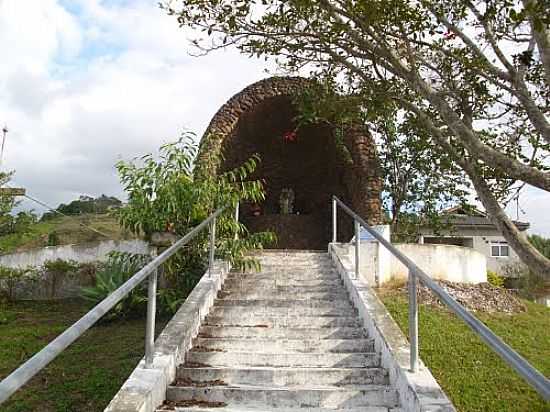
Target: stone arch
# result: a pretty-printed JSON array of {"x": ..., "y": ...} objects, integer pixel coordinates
[{"x": 316, "y": 166}]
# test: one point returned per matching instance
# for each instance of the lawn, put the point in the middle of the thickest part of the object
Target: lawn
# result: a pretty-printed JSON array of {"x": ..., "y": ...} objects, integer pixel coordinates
[
  {"x": 68, "y": 230},
  {"x": 473, "y": 376},
  {"x": 83, "y": 378}
]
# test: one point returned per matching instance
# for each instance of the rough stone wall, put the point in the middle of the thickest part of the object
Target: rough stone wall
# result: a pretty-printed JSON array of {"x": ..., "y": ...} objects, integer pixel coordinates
[{"x": 254, "y": 120}]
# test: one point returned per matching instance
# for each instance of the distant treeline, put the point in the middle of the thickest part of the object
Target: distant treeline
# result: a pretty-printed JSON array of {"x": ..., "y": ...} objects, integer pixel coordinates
[{"x": 85, "y": 204}]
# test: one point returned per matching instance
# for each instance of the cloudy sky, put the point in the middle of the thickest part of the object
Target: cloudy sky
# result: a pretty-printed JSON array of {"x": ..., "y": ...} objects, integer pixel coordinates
[{"x": 84, "y": 83}]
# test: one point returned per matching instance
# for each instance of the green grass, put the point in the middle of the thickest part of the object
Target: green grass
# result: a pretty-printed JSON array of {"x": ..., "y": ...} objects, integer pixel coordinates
[
  {"x": 473, "y": 376},
  {"x": 83, "y": 378},
  {"x": 68, "y": 229}
]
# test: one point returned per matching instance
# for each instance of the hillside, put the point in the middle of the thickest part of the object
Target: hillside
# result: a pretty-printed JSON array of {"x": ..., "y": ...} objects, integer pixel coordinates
[{"x": 63, "y": 230}]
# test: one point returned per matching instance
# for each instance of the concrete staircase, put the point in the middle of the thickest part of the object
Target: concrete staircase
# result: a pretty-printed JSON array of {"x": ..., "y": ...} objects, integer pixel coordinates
[{"x": 285, "y": 339}]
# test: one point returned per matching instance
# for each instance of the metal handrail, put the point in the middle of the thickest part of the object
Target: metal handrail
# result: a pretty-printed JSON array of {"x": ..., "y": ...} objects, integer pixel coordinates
[
  {"x": 533, "y": 377},
  {"x": 31, "y": 367}
]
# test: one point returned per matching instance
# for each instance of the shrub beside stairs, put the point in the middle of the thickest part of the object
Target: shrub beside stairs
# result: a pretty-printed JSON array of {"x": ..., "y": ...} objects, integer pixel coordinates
[{"x": 284, "y": 339}]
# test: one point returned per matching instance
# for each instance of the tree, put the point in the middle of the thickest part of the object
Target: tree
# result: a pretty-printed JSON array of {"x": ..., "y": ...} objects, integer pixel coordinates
[
  {"x": 165, "y": 195},
  {"x": 420, "y": 179},
  {"x": 476, "y": 75},
  {"x": 7, "y": 204}
]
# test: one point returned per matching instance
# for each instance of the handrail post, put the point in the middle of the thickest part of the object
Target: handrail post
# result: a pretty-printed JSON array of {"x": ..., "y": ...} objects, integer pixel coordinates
[
  {"x": 357, "y": 247},
  {"x": 237, "y": 219},
  {"x": 334, "y": 220},
  {"x": 151, "y": 314},
  {"x": 212, "y": 247},
  {"x": 413, "y": 321}
]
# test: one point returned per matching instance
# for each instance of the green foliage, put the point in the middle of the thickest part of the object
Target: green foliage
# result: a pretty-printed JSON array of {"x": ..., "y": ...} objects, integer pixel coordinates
[
  {"x": 113, "y": 274},
  {"x": 53, "y": 238},
  {"x": 60, "y": 266},
  {"x": 23, "y": 221},
  {"x": 86, "y": 204},
  {"x": 494, "y": 279},
  {"x": 7, "y": 203},
  {"x": 165, "y": 195},
  {"x": 542, "y": 244},
  {"x": 11, "y": 277},
  {"x": 474, "y": 75},
  {"x": 419, "y": 178}
]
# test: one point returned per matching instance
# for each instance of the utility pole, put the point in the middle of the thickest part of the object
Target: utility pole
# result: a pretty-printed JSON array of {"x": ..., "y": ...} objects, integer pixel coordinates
[
  {"x": 8, "y": 191},
  {"x": 4, "y": 134}
]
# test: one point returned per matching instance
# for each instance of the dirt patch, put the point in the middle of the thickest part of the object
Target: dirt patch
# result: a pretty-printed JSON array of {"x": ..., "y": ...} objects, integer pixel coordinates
[
  {"x": 482, "y": 297},
  {"x": 199, "y": 384},
  {"x": 194, "y": 365},
  {"x": 171, "y": 406},
  {"x": 205, "y": 349}
]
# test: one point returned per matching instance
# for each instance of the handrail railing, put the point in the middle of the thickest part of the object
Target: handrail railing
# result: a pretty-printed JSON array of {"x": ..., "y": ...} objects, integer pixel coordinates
[
  {"x": 31, "y": 367},
  {"x": 536, "y": 379}
]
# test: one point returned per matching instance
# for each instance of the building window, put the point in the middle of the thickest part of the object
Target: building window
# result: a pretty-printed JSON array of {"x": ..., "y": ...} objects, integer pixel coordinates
[{"x": 500, "y": 249}]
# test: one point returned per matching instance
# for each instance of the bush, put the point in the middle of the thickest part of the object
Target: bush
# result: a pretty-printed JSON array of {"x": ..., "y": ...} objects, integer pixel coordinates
[
  {"x": 110, "y": 276},
  {"x": 11, "y": 277},
  {"x": 53, "y": 239},
  {"x": 495, "y": 279},
  {"x": 164, "y": 194}
]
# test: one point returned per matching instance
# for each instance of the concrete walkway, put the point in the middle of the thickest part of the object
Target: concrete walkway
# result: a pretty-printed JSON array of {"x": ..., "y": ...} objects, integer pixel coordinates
[{"x": 284, "y": 339}]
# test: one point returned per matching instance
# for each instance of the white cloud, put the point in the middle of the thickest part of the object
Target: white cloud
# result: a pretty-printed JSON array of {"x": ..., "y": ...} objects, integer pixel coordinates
[{"x": 132, "y": 87}]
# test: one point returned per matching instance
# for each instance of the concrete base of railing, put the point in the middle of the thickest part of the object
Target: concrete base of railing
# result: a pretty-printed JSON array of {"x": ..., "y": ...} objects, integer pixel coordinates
[
  {"x": 145, "y": 389},
  {"x": 418, "y": 392}
]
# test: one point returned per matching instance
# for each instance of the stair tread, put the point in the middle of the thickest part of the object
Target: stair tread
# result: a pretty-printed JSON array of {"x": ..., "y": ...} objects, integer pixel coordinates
[
  {"x": 324, "y": 388},
  {"x": 304, "y": 409},
  {"x": 281, "y": 368}
]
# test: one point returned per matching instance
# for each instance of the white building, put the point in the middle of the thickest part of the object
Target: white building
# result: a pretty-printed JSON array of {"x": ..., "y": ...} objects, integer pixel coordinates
[{"x": 473, "y": 229}]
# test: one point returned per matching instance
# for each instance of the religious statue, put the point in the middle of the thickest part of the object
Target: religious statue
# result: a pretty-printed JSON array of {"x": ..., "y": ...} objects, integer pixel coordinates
[{"x": 286, "y": 201}]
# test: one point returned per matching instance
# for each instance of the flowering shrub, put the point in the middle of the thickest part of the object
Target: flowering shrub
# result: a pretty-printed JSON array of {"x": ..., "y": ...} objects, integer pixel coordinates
[{"x": 290, "y": 137}]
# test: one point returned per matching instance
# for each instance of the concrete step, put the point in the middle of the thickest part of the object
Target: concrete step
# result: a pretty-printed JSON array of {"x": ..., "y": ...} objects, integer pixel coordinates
[
  {"x": 246, "y": 319},
  {"x": 273, "y": 287},
  {"x": 275, "y": 282},
  {"x": 296, "y": 304},
  {"x": 261, "y": 397},
  {"x": 280, "y": 333},
  {"x": 264, "y": 409},
  {"x": 277, "y": 360},
  {"x": 324, "y": 311},
  {"x": 283, "y": 267},
  {"x": 338, "y": 294},
  {"x": 269, "y": 345},
  {"x": 284, "y": 377},
  {"x": 309, "y": 273},
  {"x": 294, "y": 258}
]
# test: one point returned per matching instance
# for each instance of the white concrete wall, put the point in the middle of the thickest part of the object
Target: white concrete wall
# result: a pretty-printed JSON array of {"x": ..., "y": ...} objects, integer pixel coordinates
[
  {"x": 445, "y": 262},
  {"x": 82, "y": 253},
  {"x": 482, "y": 239}
]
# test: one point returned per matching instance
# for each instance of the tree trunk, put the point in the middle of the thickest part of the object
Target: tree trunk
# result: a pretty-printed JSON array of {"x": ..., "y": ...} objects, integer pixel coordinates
[{"x": 534, "y": 260}]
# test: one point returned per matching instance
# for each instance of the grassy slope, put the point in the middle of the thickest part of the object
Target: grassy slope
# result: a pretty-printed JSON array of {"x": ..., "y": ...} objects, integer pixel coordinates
[
  {"x": 471, "y": 374},
  {"x": 68, "y": 230},
  {"x": 86, "y": 376}
]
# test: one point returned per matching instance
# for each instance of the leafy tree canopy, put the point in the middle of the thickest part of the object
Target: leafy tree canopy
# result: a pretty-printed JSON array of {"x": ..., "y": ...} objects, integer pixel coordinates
[{"x": 476, "y": 75}]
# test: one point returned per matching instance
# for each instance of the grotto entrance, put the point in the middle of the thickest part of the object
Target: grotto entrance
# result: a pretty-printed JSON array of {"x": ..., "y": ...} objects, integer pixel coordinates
[
  {"x": 301, "y": 168},
  {"x": 301, "y": 165}
]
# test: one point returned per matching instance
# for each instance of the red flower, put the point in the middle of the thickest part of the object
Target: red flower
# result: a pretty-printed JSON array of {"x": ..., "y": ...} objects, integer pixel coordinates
[{"x": 289, "y": 137}]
